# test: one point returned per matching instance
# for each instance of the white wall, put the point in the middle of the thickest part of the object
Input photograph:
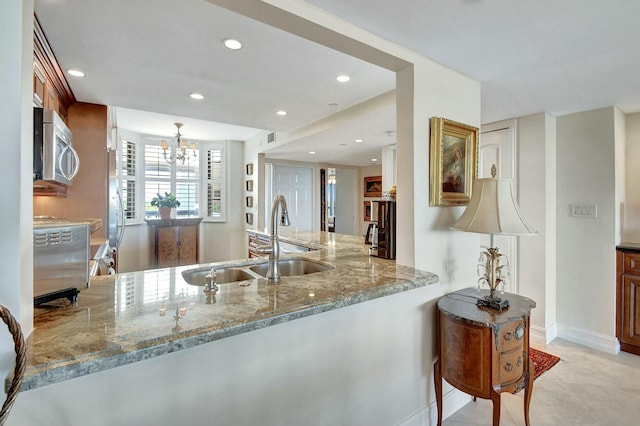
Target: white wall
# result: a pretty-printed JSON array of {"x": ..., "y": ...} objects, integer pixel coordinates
[
  {"x": 586, "y": 247},
  {"x": 425, "y": 91},
  {"x": 536, "y": 180},
  {"x": 16, "y": 162}
]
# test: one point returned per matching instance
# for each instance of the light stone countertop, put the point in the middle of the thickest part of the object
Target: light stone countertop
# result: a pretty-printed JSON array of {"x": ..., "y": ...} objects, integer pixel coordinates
[
  {"x": 117, "y": 319},
  {"x": 48, "y": 222}
]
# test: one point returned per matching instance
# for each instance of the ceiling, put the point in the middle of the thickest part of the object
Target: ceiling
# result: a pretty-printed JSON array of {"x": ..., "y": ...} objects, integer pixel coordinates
[{"x": 148, "y": 55}]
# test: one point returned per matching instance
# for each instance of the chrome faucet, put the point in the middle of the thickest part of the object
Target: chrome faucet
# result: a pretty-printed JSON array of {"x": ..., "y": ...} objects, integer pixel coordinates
[{"x": 273, "y": 249}]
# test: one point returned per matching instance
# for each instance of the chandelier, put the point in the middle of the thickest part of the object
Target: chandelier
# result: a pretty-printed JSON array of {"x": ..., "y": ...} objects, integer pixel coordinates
[{"x": 181, "y": 149}]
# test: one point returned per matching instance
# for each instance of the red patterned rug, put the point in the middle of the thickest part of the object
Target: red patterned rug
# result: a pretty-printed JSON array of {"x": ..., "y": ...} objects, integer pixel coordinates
[{"x": 542, "y": 360}]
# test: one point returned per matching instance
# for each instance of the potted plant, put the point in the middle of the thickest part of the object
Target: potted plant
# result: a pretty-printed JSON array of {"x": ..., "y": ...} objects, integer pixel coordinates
[{"x": 165, "y": 204}]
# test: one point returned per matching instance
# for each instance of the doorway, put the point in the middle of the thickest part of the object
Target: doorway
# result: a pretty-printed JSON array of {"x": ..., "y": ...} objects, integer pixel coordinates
[
  {"x": 498, "y": 146},
  {"x": 296, "y": 184},
  {"x": 341, "y": 197}
]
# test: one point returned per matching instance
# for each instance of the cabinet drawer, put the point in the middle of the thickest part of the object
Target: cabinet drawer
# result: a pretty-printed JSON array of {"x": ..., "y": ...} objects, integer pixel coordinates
[
  {"x": 631, "y": 264},
  {"x": 511, "y": 336},
  {"x": 511, "y": 366}
]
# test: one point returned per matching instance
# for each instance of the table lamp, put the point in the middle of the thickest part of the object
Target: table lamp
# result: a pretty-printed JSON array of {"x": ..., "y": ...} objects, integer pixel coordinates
[{"x": 493, "y": 210}]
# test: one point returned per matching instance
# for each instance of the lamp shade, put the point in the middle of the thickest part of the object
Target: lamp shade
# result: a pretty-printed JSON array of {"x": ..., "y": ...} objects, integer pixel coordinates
[{"x": 493, "y": 210}]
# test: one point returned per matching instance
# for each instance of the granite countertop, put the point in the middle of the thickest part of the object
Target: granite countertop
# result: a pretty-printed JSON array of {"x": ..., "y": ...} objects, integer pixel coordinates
[
  {"x": 118, "y": 319},
  {"x": 628, "y": 245},
  {"x": 48, "y": 222}
]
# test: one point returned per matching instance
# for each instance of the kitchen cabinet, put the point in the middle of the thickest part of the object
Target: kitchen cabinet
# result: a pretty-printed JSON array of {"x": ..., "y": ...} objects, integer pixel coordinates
[
  {"x": 174, "y": 242},
  {"x": 50, "y": 87},
  {"x": 628, "y": 297},
  {"x": 482, "y": 351}
]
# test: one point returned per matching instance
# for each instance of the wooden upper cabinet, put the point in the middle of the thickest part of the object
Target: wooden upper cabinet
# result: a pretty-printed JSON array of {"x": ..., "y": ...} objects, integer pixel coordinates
[
  {"x": 39, "y": 83},
  {"x": 50, "y": 87}
]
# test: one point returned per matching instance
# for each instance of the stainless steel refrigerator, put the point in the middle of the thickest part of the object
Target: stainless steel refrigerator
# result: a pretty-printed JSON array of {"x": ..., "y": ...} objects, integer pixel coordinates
[{"x": 106, "y": 255}]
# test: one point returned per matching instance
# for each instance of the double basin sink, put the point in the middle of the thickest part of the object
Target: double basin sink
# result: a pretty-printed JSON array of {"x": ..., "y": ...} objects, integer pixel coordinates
[{"x": 288, "y": 268}]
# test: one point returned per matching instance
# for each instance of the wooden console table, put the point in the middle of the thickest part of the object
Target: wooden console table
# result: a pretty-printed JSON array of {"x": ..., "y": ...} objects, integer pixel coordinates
[{"x": 484, "y": 352}]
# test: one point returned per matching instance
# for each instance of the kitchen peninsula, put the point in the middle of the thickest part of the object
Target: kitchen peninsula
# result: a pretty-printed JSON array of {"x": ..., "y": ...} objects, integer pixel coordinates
[{"x": 140, "y": 316}]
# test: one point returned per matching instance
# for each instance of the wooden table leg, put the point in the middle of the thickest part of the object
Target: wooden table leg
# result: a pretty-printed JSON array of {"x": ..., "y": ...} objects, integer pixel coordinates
[
  {"x": 495, "y": 398},
  {"x": 437, "y": 377},
  {"x": 528, "y": 389}
]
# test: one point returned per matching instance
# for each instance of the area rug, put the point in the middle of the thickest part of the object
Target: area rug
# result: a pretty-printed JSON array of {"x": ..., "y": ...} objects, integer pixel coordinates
[{"x": 542, "y": 360}]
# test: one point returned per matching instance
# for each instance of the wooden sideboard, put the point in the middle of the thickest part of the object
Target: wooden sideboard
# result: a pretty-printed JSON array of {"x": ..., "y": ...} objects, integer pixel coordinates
[
  {"x": 484, "y": 352},
  {"x": 628, "y": 297},
  {"x": 174, "y": 242}
]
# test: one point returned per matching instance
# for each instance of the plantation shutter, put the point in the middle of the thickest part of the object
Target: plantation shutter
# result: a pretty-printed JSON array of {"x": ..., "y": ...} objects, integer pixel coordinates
[{"x": 128, "y": 161}]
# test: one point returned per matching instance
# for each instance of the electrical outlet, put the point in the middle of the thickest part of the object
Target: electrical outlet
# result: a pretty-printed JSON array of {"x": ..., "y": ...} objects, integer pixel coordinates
[{"x": 584, "y": 210}]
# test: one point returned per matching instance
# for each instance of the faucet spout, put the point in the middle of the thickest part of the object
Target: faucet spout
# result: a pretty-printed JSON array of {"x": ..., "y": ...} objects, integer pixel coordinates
[{"x": 273, "y": 273}]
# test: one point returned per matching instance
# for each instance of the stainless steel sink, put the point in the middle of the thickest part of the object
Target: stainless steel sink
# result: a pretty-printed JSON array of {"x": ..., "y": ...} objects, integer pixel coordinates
[
  {"x": 196, "y": 276},
  {"x": 292, "y": 267},
  {"x": 293, "y": 248}
]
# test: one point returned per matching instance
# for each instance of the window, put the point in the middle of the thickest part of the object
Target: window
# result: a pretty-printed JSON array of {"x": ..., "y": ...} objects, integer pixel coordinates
[
  {"x": 186, "y": 180},
  {"x": 128, "y": 183}
]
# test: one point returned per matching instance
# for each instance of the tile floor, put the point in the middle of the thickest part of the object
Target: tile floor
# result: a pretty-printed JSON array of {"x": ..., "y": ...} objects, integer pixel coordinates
[{"x": 587, "y": 388}]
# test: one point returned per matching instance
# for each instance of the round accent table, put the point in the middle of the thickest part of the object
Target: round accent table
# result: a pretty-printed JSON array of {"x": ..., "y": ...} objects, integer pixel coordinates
[{"x": 482, "y": 351}]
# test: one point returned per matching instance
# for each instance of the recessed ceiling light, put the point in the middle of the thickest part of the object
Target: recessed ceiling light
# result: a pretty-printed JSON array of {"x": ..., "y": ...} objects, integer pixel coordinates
[
  {"x": 333, "y": 104},
  {"x": 374, "y": 160},
  {"x": 343, "y": 78},
  {"x": 343, "y": 144},
  {"x": 76, "y": 73},
  {"x": 197, "y": 96},
  {"x": 359, "y": 140},
  {"x": 232, "y": 43},
  {"x": 312, "y": 152},
  {"x": 282, "y": 112}
]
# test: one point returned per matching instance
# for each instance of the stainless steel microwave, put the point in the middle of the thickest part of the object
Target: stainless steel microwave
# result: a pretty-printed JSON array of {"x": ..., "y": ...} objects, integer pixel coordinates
[{"x": 54, "y": 159}]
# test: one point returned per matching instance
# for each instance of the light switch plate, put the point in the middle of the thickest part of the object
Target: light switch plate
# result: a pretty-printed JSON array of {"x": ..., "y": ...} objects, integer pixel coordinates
[{"x": 584, "y": 210}]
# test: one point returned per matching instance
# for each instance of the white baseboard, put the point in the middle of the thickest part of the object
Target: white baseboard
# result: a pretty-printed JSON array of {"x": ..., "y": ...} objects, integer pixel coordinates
[
  {"x": 543, "y": 336},
  {"x": 601, "y": 342},
  {"x": 452, "y": 401}
]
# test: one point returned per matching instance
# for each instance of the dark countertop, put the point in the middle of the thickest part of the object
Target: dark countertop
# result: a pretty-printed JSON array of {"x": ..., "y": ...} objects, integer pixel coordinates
[
  {"x": 118, "y": 319},
  {"x": 628, "y": 246}
]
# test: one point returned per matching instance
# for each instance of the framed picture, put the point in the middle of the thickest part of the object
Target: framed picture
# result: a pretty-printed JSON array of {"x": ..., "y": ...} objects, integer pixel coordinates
[
  {"x": 249, "y": 184},
  {"x": 249, "y": 217},
  {"x": 373, "y": 186},
  {"x": 249, "y": 168},
  {"x": 249, "y": 201},
  {"x": 367, "y": 211},
  {"x": 454, "y": 162}
]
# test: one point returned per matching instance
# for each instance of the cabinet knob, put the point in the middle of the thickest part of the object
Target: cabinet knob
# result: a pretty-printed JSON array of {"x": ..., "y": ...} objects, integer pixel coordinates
[
  {"x": 508, "y": 336},
  {"x": 508, "y": 367}
]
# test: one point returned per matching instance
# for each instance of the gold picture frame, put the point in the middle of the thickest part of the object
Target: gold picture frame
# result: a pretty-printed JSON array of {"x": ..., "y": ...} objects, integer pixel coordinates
[
  {"x": 373, "y": 186},
  {"x": 249, "y": 169},
  {"x": 454, "y": 162},
  {"x": 249, "y": 186}
]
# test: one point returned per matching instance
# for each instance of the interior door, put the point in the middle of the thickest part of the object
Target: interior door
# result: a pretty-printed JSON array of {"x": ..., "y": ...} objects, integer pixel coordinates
[
  {"x": 345, "y": 203},
  {"x": 296, "y": 184},
  {"x": 497, "y": 146}
]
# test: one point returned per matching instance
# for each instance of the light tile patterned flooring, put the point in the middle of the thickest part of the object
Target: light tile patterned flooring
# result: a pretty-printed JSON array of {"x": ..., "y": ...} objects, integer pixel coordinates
[{"x": 586, "y": 388}]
